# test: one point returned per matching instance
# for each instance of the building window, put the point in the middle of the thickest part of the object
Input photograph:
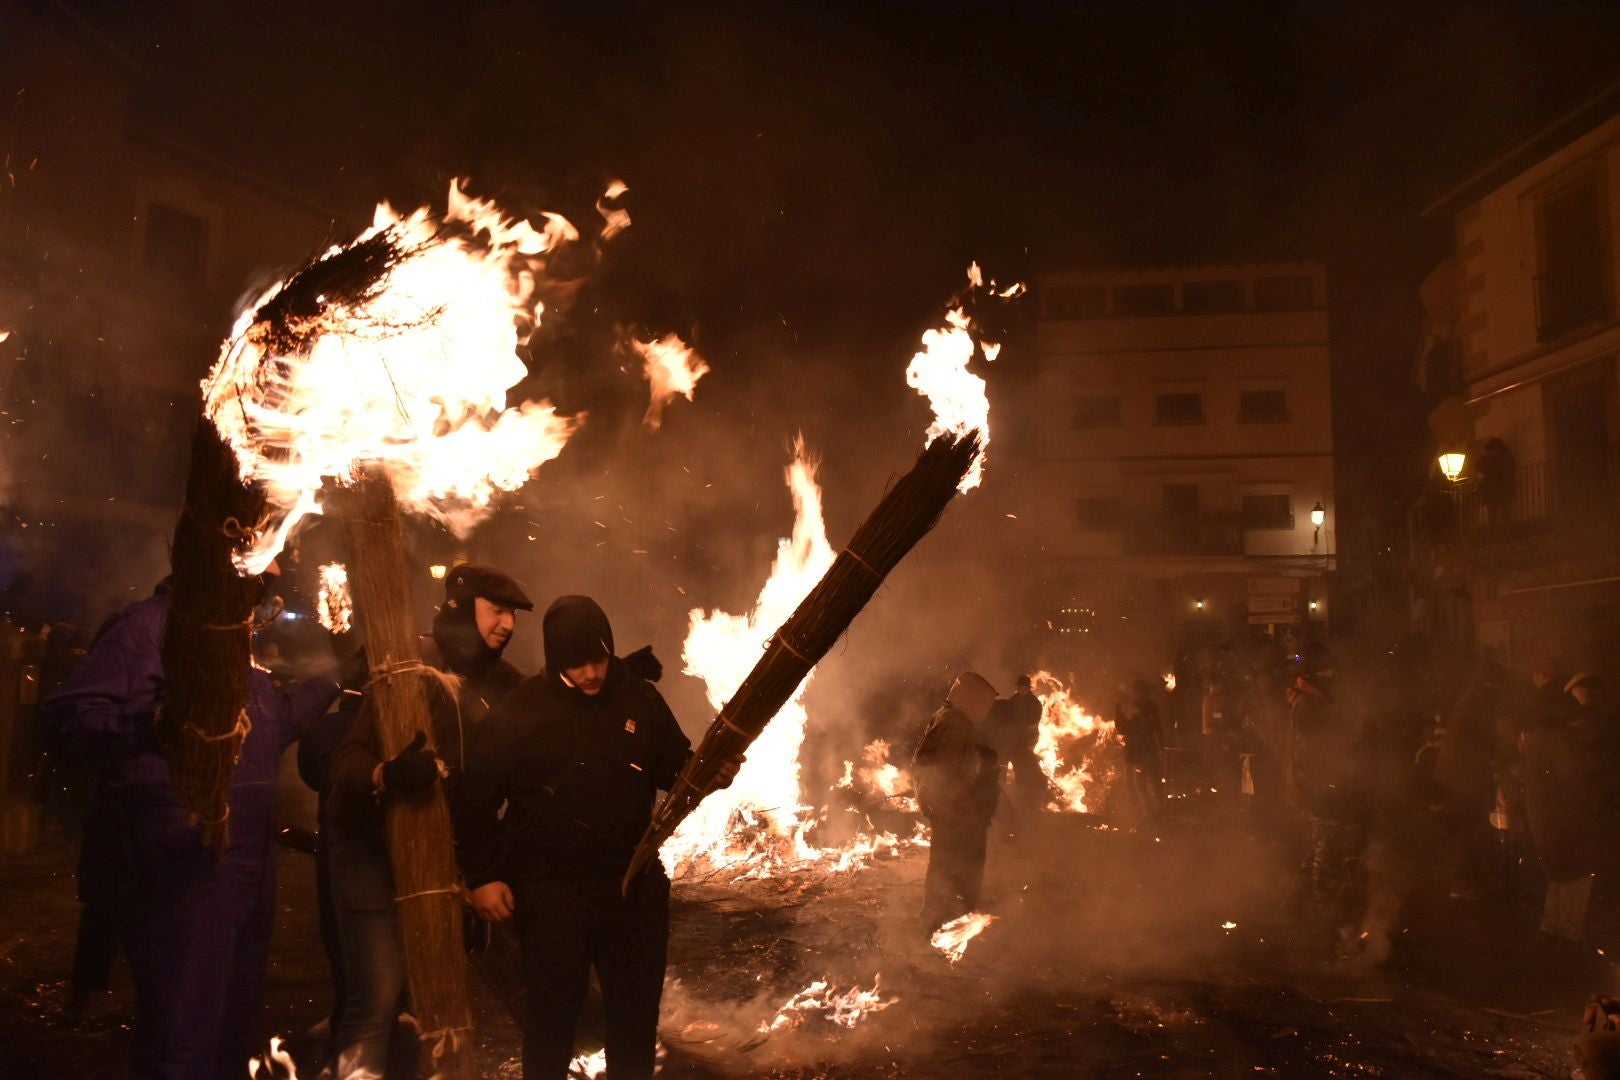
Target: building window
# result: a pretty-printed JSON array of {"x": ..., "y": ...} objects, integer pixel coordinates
[
  {"x": 1075, "y": 302},
  {"x": 1263, "y": 406},
  {"x": 176, "y": 244},
  {"x": 1099, "y": 513},
  {"x": 1284, "y": 293},
  {"x": 1178, "y": 408},
  {"x": 1096, "y": 411},
  {"x": 1570, "y": 290},
  {"x": 1145, "y": 300},
  {"x": 1268, "y": 511},
  {"x": 1212, "y": 297}
]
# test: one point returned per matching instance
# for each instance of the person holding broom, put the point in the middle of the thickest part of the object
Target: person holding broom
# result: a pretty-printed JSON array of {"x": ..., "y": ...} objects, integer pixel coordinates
[
  {"x": 577, "y": 755},
  {"x": 470, "y": 632},
  {"x": 195, "y": 924}
]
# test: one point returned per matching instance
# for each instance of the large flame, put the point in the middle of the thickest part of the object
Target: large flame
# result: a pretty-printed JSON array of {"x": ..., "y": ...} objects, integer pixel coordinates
[
  {"x": 721, "y": 649},
  {"x": 412, "y": 376},
  {"x": 953, "y": 937},
  {"x": 940, "y": 373},
  {"x": 673, "y": 369},
  {"x": 1069, "y": 744}
]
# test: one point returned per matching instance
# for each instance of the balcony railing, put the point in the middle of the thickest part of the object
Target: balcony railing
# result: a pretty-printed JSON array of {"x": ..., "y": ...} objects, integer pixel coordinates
[{"x": 1531, "y": 497}]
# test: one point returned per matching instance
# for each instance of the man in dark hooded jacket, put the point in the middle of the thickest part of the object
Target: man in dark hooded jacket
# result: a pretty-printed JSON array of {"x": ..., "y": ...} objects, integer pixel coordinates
[
  {"x": 470, "y": 632},
  {"x": 195, "y": 924},
  {"x": 577, "y": 755}
]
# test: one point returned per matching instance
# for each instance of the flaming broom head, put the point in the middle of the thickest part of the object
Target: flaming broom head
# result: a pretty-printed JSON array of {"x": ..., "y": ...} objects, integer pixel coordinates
[{"x": 907, "y": 512}]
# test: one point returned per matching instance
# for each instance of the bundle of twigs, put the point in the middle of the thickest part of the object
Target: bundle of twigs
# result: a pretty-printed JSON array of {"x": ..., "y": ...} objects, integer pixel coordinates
[
  {"x": 421, "y": 847},
  {"x": 907, "y": 512},
  {"x": 206, "y": 642}
]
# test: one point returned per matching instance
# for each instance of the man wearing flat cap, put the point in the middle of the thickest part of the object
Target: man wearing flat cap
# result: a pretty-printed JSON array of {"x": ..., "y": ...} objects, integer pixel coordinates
[
  {"x": 577, "y": 755},
  {"x": 470, "y": 632}
]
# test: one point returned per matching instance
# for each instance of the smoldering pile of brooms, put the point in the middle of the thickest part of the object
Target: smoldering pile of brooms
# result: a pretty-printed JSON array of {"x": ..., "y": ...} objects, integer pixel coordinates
[{"x": 207, "y": 643}]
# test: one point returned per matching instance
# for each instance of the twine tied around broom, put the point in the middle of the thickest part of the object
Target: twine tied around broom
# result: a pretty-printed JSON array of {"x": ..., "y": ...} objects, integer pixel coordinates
[
  {"x": 443, "y": 1038},
  {"x": 448, "y": 682}
]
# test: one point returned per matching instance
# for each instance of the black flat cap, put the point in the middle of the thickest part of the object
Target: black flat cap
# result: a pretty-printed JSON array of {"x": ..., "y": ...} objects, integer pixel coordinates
[{"x": 469, "y": 580}]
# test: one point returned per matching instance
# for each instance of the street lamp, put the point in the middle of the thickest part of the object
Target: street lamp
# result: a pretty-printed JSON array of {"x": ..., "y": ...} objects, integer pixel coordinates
[
  {"x": 1318, "y": 516},
  {"x": 437, "y": 571},
  {"x": 1451, "y": 464}
]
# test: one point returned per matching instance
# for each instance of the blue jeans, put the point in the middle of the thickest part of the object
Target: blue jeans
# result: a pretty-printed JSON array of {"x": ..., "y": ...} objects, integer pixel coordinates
[{"x": 373, "y": 958}]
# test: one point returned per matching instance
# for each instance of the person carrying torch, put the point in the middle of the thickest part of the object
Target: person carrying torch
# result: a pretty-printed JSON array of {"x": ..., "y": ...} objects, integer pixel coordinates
[
  {"x": 577, "y": 755},
  {"x": 470, "y": 632},
  {"x": 196, "y": 925}
]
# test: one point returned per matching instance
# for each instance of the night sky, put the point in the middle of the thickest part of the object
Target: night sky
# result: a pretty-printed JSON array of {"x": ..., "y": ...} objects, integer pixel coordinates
[{"x": 807, "y": 184}]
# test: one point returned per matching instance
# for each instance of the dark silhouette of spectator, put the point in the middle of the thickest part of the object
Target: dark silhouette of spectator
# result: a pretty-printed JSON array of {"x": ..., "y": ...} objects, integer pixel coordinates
[{"x": 1496, "y": 470}]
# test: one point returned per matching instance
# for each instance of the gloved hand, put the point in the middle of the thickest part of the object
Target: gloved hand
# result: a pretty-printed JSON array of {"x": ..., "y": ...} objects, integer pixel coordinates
[
  {"x": 644, "y": 665},
  {"x": 411, "y": 770}
]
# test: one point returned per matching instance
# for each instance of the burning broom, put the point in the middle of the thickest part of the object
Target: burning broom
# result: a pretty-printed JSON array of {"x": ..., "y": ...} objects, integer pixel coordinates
[
  {"x": 375, "y": 377},
  {"x": 952, "y": 460},
  {"x": 906, "y": 513}
]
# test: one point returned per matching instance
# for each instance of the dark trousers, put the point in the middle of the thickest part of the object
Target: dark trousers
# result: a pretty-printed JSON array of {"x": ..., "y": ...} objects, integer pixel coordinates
[
  {"x": 330, "y": 939},
  {"x": 197, "y": 934},
  {"x": 96, "y": 945},
  {"x": 373, "y": 956},
  {"x": 569, "y": 927},
  {"x": 955, "y": 870},
  {"x": 104, "y": 883}
]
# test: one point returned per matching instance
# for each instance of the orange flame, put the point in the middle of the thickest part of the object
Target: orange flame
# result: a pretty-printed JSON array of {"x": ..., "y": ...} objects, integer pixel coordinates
[
  {"x": 414, "y": 377},
  {"x": 880, "y": 777},
  {"x": 757, "y": 827},
  {"x": 1068, "y": 741},
  {"x": 673, "y": 369},
  {"x": 721, "y": 649},
  {"x": 953, "y": 937},
  {"x": 333, "y": 606},
  {"x": 817, "y": 999},
  {"x": 940, "y": 373},
  {"x": 615, "y": 219}
]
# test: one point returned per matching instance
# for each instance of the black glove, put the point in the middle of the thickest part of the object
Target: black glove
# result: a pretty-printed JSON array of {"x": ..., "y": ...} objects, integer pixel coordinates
[
  {"x": 411, "y": 770},
  {"x": 644, "y": 665}
]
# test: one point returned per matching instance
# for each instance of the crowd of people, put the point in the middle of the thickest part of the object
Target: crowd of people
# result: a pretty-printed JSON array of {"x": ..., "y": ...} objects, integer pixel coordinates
[
  {"x": 552, "y": 780},
  {"x": 1513, "y": 775}
]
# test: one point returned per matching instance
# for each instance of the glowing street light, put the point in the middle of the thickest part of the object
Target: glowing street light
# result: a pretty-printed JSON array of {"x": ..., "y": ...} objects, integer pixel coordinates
[
  {"x": 437, "y": 571},
  {"x": 1451, "y": 464},
  {"x": 1318, "y": 516}
]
